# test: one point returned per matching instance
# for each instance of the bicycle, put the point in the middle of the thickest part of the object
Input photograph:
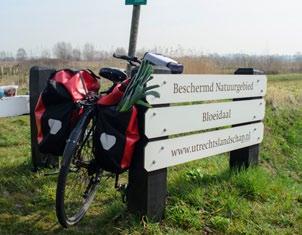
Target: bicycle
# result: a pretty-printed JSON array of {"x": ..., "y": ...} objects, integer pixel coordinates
[{"x": 79, "y": 175}]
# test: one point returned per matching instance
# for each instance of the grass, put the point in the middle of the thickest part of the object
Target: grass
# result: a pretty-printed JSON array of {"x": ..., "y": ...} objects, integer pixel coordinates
[
  {"x": 285, "y": 77},
  {"x": 204, "y": 196}
]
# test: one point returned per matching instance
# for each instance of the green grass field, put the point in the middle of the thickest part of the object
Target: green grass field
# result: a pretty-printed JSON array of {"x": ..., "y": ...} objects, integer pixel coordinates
[{"x": 204, "y": 196}]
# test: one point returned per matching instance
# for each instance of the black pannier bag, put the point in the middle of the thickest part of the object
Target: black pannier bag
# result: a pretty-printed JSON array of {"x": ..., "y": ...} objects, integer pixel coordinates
[
  {"x": 56, "y": 112},
  {"x": 116, "y": 133}
]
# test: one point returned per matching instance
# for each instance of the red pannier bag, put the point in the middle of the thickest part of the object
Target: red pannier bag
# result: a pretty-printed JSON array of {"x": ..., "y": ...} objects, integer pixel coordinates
[
  {"x": 56, "y": 112},
  {"x": 116, "y": 133}
]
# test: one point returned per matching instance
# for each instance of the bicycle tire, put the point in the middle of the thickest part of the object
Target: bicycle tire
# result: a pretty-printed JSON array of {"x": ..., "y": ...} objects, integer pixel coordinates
[{"x": 75, "y": 143}]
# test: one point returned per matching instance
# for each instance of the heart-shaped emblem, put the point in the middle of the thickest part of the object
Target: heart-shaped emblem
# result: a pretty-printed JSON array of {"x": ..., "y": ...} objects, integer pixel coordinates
[
  {"x": 107, "y": 141},
  {"x": 54, "y": 125}
]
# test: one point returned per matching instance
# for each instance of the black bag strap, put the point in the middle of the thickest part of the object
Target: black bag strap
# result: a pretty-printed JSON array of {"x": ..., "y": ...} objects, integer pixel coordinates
[
  {"x": 84, "y": 84},
  {"x": 92, "y": 73}
]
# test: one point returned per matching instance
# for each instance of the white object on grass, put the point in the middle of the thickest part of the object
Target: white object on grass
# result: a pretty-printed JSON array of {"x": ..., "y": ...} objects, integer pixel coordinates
[{"x": 14, "y": 106}]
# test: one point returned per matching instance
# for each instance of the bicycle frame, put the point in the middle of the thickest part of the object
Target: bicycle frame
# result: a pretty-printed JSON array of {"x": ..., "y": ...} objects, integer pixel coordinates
[{"x": 76, "y": 161}]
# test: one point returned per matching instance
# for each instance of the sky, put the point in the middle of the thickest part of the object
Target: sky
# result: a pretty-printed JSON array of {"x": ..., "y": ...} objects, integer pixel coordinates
[{"x": 206, "y": 26}]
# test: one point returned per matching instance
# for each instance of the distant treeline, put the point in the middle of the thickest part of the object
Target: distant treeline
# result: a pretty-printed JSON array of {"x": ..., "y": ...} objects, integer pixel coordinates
[
  {"x": 64, "y": 55},
  {"x": 272, "y": 64}
]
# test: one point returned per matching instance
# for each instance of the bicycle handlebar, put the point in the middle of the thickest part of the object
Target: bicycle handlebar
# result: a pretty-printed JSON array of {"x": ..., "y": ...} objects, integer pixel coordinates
[{"x": 127, "y": 58}]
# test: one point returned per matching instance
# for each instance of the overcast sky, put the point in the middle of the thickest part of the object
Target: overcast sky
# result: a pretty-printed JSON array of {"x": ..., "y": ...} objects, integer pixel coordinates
[{"x": 233, "y": 26}]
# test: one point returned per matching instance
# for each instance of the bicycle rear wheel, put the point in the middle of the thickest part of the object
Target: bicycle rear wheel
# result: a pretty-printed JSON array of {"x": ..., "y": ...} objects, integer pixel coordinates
[{"x": 79, "y": 175}]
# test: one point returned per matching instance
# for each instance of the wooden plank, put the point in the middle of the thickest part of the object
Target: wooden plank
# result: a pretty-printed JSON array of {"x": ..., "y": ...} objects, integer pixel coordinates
[
  {"x": 188, "y": 88},
  {"x": 165, "y": 153},
  {"x": 14, "y": 106},
  {"x": 181, "y": 119}
]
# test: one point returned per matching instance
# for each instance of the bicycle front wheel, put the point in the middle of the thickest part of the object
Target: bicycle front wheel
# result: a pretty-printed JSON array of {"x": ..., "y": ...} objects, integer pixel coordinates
[{"x": 79, "y": 175}]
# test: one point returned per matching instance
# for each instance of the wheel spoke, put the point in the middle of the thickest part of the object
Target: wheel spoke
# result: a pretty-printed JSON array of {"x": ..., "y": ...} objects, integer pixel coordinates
[{"x": 81, "y": 179}]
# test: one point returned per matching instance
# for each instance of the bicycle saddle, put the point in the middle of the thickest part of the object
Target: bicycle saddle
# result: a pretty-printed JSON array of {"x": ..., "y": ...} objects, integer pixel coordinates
[{"x": 112, "y": 74}]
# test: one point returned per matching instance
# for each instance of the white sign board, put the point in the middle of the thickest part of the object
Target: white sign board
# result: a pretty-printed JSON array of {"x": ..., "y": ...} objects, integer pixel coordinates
[
  {"x": 165, "y": 153},
  {"x": 14, "y": 106},
  {"x": 181, "y": 119},
  {"x": 189, "y": 88}
]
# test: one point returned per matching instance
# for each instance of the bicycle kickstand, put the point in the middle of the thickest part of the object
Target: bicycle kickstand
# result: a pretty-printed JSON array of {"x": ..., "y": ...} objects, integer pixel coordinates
[{"x": 122, "y": 188}]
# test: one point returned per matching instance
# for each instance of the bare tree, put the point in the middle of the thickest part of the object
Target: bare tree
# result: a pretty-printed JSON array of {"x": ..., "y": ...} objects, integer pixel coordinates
[
  {"x": 21, "y": 54},
  {"x": 120, "y": 51},
  {"x": 2, "y": 55},
  {"x": 45, "y": 54},
  {"x": 63, "y": 50},
  {"x": 76, "y": 54},
  {"x": 100, "y": 55},
  {"x": 89, "y": 52}
]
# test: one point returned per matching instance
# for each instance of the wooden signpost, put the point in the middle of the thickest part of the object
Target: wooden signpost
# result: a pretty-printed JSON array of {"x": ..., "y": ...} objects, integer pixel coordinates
[
  {"x": 170, "y": 152},
  {"x": 190, "y": 88},
  {"x": 230, "y": 107},
  {"x": 162, "y": 121},
  {"x": 14, "y": 106}
]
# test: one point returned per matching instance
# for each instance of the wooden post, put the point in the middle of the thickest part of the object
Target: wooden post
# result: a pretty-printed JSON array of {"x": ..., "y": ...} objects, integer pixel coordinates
[
  {"x": 249, "y": 156},
  {"x": 37, "y": 82},
  {"x": 147, "y": 191}
]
